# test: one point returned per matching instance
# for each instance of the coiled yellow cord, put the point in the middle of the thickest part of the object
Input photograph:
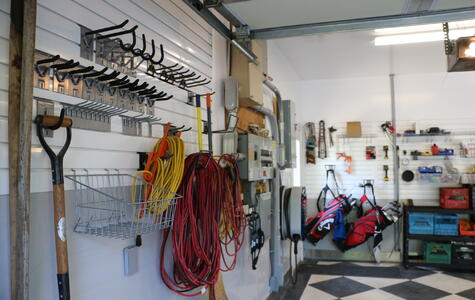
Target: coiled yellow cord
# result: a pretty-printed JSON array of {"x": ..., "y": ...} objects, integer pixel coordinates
[{"x": 169, "y": 172}]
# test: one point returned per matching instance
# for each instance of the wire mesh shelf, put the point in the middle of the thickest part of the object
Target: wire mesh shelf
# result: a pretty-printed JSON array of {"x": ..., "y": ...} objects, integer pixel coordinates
[
  {"x": 120, "y": 205},
  {"x": 440, "y": 178}
]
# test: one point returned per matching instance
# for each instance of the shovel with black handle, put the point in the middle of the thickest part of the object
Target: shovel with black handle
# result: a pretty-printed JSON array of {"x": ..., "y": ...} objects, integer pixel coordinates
[{"x": 53, "y": 123}]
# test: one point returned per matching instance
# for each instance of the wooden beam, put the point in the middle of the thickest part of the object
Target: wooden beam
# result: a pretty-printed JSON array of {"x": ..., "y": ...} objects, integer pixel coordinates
[{"x": 20, "y": 104}]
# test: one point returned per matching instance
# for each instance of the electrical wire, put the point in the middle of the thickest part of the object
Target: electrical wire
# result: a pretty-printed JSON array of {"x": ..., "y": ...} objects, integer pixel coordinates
[
  {"x": 209, "y": 225},
  {"x": 195, "y": 232},
  {"x": 233, "y": 220},
  {"x": 163, "y": 173}
]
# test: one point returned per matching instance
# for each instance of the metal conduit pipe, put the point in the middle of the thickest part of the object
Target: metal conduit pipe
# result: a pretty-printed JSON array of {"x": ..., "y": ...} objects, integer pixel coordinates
[
  {"x": 280, "y": 128},
  {"x": 277, "y": 273}
]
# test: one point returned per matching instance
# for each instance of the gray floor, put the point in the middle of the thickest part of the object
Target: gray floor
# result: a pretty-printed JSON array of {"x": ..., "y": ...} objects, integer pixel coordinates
[{"x": 367, "y": 281}]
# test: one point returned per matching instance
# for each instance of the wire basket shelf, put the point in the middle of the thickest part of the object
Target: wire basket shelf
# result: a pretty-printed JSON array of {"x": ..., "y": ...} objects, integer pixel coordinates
[
  {"x": 119, "y": 205},
  {"x": 440, "y": 178}
]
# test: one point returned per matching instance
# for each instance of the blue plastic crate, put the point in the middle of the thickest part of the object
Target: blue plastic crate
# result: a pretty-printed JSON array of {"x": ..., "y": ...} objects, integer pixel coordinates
[
  {"x": 446, "y": 225},
  {"x": 421, "y": 223}
]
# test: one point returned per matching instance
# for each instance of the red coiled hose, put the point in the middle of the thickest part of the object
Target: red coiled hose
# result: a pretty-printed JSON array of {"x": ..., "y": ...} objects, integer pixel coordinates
[
  {"x": 208, "y": 219},
  {"x": 233, "y": 219}
]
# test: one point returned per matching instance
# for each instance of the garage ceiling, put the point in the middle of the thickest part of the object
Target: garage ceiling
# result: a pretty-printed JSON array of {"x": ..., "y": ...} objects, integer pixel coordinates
[{"x": 261, "y": 14}]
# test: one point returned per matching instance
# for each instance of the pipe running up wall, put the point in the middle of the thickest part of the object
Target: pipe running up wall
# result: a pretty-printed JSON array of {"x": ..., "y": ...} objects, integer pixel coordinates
[{"x": 277, "y": 272}]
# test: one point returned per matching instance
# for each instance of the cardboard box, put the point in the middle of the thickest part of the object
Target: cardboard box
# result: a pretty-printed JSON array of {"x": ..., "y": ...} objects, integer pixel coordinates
[
  {"x": 249, "y": 75},
  {"x": 353, "y": 129},
  {"x": 248, "y": 116}
]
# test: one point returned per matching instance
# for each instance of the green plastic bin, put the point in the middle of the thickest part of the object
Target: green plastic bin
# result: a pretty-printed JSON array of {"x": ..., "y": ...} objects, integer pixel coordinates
[{"x": 438, "y": 253}]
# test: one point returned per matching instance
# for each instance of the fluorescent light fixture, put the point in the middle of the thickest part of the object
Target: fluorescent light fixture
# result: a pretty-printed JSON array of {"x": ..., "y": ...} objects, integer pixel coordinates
[
  {"x": 421, "y": 37},
  {"x": 407, "y": 29},
  {"x": 422, "y": 33}
]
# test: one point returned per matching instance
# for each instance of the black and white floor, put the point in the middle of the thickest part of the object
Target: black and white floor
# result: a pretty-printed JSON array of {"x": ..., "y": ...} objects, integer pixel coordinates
[{"x": 365, "y": 281}]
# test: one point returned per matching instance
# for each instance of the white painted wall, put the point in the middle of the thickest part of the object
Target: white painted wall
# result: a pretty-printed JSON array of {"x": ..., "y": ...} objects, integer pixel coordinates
[{"x": 343, "y": 77}]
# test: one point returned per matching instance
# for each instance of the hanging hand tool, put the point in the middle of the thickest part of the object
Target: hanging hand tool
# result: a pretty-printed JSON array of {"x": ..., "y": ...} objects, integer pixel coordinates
[
  {"x": 210, "y": 131},
  {"x": 331, "y": 130},
  {"x": 198, "y": 119},
  {"x": 53, "y": 123},
  {"x": 322, "y": 142},
  {"x": 311, "y": 142},
  {"x": 347, "y": 159},
  {"x": 386, "y": 149},
  {"x": 386, "y": 169}
]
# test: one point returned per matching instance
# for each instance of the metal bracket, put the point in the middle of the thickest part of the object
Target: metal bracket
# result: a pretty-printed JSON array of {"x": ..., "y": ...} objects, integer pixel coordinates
[
  {"x": 243, "y": 35},
  {"x": 45, "y": 108},
  {"x": 87, "y": 44},
  {"x": 191, "y": 99},
  {"x": 212, "y": 3}
]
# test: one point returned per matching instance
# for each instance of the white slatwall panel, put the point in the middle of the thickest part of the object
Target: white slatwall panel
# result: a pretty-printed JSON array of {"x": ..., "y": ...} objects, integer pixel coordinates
[
  {"x": 423, "y": 192},
  {"x": 313, "y": 176},
  {"x": 4, "y": 36},
  {"x": 186, "y": 40}
]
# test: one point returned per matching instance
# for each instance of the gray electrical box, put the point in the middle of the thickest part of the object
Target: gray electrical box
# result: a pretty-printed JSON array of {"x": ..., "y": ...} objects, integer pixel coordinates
[
  {"x": 290, "y": 134},
  {"x": 258, "y": 161}
]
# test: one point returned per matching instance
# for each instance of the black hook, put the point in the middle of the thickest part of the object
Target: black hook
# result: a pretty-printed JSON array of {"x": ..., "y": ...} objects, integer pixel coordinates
[
  {"x": 129, "y": 47},
  {"x": 48, "y": 60},
  {"x": 119, "y": 81},
  {"x": 106, "y": 36},
  {"x": 160, "y": 98},
  {"x": 96, "y": 73},
  {"x": 138, "y": 88},
  {"x": 183, "y": 76},
  {"x": 199, "y": 83},
  {"x": 167, "y": 67},
  {"x": 174, "y": 129},
  {"x": 114, "y": 27},
  {"x": 110, "y": 76},
  {"x": 162, "y": 56},
  {"x": 159, "y": 95},
  {"x": 148, "y": 91},
  {"x": 83, "y": 70},
  {"x": 130, "y": 85},
  {"x": 67, "y": 65},
  {"x": 140, "y": 52},
  {"x": 149, "y": 56}
]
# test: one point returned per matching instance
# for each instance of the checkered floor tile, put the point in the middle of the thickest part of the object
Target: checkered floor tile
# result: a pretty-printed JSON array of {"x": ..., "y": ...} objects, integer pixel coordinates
[{"x": 355, "y": 281}]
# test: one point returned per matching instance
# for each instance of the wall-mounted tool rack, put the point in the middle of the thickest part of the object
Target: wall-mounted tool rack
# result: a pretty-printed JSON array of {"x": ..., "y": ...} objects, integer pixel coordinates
[
  {"x": 92, "y": 97},
  {"x": 110, "y": 47}
]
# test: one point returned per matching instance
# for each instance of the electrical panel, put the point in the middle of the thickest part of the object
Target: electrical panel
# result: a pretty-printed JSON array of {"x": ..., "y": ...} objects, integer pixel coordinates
[
  {"x": 290, "y": 134},
  {"x": 258, "y": 161}
]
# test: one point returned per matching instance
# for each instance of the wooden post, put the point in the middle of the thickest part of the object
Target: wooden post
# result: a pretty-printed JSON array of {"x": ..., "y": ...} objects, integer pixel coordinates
[{"x": 20, "y": 104}]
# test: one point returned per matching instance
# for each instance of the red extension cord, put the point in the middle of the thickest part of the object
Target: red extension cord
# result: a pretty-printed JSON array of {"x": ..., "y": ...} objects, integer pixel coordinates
[{"x": 209, "y": 225}]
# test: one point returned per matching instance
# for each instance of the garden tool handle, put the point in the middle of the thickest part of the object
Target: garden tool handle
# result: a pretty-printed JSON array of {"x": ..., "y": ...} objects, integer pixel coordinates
[
  {"x": 210, "y": 131},
  {"x": 53, "y": 123}
]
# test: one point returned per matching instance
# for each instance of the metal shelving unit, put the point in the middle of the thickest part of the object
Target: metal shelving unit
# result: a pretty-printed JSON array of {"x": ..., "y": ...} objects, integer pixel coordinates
[{"x": 411, "y": 262}]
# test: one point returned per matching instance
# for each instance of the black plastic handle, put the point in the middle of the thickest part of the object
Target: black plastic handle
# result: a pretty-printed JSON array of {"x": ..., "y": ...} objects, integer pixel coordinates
[{"x": 64, "y": 291}]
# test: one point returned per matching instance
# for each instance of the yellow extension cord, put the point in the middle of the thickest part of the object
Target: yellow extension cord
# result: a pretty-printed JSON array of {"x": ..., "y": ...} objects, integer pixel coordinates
[{"x": 167, "y": 177}]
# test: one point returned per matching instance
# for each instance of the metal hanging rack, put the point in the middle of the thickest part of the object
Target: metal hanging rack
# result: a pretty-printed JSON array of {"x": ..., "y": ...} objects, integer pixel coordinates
[{"x": 176, "y": 75}]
